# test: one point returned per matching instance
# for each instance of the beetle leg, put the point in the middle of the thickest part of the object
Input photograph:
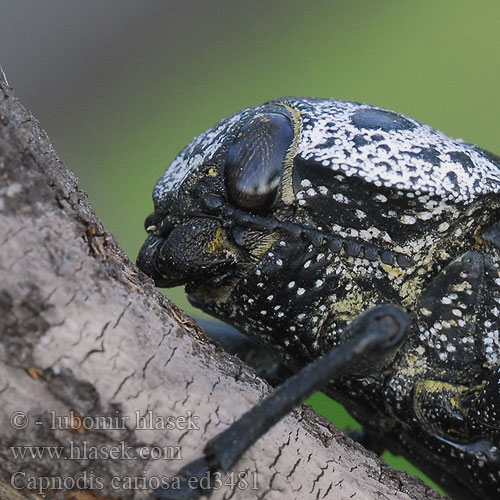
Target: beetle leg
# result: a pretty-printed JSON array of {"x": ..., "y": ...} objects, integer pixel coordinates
[
  {"x": 461, "y": 411},
  {"x": 374, "y": 331},
  {"x": 492, "y": 234},
  {"x": 465, "y": 401},
  {"x": 369, "y": 440},
  {"x": 443, "y": 341},
  {"x": 439, "y": 389},
  {"x": 484, "y": 410},
  {"x": 266, "y": 363},
  {"x": 439, "y": 406}
]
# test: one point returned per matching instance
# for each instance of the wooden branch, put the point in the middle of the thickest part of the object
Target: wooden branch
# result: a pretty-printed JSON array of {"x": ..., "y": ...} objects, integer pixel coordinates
[{"x": 90, "y": 351}]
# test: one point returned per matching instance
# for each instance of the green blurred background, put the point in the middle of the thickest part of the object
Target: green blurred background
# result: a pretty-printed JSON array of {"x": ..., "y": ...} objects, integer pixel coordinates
[{"x": 122, "y": 86}]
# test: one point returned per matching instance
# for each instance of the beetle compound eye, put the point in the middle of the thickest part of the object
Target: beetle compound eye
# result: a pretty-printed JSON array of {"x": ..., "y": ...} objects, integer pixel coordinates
[{"x": 254, "y": 161}]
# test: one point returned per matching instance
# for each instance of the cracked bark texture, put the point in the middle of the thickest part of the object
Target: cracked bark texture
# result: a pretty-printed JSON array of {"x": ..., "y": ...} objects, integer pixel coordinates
[{"x": 83, "y": 331}]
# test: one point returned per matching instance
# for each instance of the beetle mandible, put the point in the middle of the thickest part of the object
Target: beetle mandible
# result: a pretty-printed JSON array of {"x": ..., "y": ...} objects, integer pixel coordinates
[{"x": 288, "y": 219}]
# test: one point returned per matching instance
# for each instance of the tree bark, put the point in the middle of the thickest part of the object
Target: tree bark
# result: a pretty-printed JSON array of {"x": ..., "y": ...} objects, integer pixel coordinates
[{"x": 87, "y": 344}]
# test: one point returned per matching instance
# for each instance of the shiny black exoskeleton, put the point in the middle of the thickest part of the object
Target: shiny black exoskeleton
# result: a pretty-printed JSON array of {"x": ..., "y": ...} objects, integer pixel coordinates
[{"x": 288, "y": 219}]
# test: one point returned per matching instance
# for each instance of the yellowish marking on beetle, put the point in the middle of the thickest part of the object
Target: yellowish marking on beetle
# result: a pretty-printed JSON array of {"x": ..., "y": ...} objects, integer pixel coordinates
[
  {"x": 412, "y": 365},
  {"x": 212, "y": 172},
  {"x": 411, "y": 282},
  {"x": 428, "y": 392},
  {"x": 436, "y": 386},
  {"x": 444, "y": 255},
  {"x": 461, "y": 287},
  {"x": 220, "y": 241},
  {"x": 264, "y": 244},
  {"x": 410, "y": 291},
  {"x": 349, "y": 307},
  {"x": 287, "y": 194},
  {"x": 393, "y": 272},
  {"x": 220, "y": 244}
]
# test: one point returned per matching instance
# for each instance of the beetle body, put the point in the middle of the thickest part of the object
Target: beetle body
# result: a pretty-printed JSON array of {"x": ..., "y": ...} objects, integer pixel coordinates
[{"x": 288, "y": 219}]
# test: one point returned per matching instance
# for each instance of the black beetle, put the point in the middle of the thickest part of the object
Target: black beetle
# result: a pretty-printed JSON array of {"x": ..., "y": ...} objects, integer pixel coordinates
[{"x": 289, "y": 219}]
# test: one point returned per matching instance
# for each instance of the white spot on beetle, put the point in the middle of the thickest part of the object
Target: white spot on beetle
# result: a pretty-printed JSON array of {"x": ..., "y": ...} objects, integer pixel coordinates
[
  {"x": 408, "y": 219},
  {"x": 340, "y": 198},
  {"x": 425, "y": 215}
]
